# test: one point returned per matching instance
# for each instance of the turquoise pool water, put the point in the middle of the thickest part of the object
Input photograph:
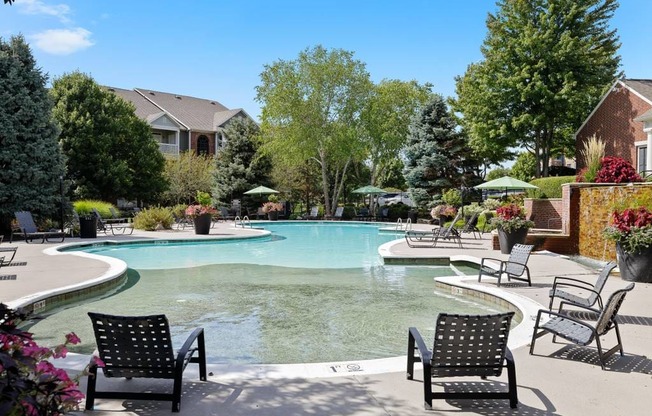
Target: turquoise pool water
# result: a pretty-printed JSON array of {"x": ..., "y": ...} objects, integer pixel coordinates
[{"x": 310, "y": 293}]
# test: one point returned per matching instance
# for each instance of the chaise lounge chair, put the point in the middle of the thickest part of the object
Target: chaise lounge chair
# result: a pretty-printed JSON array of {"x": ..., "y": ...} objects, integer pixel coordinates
[
  {"x": 421, "y": 239},
  {"x": 471, "y": 226},
  {"x": 583, "y": 333},
  {"x": 560, "y": 283},
  {"x": 337, "y": 216},
  {"x": 116, "y": 227},
  {"x": 30, "y": 232},
  {"x": 465, "y": 345},
  {"x": 6, "y": 260},
  {"x": 140, "y": 346},
  {"x": 514, "y": 267}
]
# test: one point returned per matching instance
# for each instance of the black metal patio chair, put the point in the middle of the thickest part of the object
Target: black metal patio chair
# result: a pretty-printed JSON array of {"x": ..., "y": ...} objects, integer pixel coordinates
[
  {"x": 561, "y": 282},
  {"x": 465, "y": 345},
  {"x": 471, "y": 226},
  {"x": 116, "y": 227},
  {"x": 141, "y": 347},
  {"x": 583, "y": 333},
  {"x": 421, "y": 239},
  {"x": 514, "y": 267}
]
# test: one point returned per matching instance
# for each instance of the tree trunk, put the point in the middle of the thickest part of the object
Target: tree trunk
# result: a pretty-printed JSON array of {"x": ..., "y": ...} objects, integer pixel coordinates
[{"x": 325, "y": 184}]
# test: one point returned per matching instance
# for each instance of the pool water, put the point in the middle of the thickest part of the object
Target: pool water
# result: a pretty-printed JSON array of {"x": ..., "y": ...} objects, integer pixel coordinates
[{"x": 325, "y": 297}]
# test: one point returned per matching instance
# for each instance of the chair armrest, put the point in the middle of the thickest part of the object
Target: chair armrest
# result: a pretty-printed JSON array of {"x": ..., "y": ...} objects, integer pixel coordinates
[
  {"x": 425, "y": 354},
  {"x": 182, "y": 359},
  {"x": 560, "y": 315},
  {"x": 495, "y": 260},
  {"x": 565, "y": 285},
  {"x": 570, "y": 279}
]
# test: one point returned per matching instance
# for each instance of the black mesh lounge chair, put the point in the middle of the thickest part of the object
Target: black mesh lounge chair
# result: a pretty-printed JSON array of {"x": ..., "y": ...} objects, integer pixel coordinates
[
  {"x": 116, "y": 227},
  {"x": 337, "y": 216},
  {"x": 141, "y": 346},
  {"x": 583, "y": 333},
  {"x": 416, "y": 239},
  {"x": 514, "y": 267},
  {"x": 30, "y": 232},
  {"x": 465, "y": 345},
  {"x": 224, "y": 213},
  {"x": 314, "y": 213},
  {"x": 5, "y": 252},
  {"x": 471, "y": 226},
  {"x": 560, "y": 283}
]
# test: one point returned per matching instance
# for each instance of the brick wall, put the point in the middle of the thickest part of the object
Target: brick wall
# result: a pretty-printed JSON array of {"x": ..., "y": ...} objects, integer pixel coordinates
[
  {"x": 194, "y": 136},
  {"x": 613, "y": 122},
  {"x": 546, "y": 213}
]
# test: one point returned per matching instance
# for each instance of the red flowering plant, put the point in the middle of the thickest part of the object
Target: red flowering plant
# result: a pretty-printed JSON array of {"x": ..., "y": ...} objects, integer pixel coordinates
[
  {"x": 510, "y": 218},
  {"x": 203, "y": 206},
  {"x": 616, "y": 170},
  {"x": 30, "y": 384},
  {"x": 631, "y": 228}
]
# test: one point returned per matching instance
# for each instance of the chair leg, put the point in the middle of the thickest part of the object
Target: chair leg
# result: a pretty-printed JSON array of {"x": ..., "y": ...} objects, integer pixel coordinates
[
  {"x": 600, "y": 356},
  {"x": 176, "y": 391},
  {"x": 427, "y": 386},
  {"x": 410, "y": 357},
  {"x": 90, "y": 387},
  {"x": 511, "y": 377}
]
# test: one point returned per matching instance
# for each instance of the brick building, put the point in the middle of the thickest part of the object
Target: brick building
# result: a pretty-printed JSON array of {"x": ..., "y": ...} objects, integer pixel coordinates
[
  {"x": 623, "y": 120},
  {"x": 179, "y": 122}
]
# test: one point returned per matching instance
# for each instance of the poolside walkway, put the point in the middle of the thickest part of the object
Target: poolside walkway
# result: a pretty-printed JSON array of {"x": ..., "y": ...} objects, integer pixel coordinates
[{"x": 560, "y": 379}]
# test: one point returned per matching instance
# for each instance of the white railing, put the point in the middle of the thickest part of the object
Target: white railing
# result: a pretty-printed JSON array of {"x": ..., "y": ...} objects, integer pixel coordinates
[
  {"x": 243, "y": 222},
  {"x": 403, "y": 227},
  {"x": 168, "y": 149}
]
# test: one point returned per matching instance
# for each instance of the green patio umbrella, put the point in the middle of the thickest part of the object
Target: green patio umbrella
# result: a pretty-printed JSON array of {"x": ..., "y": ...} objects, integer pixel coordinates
[
  {"x": 506, "y": 183},
  {"x": 369, "y": 190},
  {"x": 261, "y": 190}
]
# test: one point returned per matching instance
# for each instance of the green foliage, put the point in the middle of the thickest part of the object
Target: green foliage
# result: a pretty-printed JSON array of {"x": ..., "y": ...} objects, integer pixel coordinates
[
  {"x": 186, "y": 175},
  {"x": 452, "y": 197},
  {"x": 385, "y": 121},
  {"x": 548, "y": 187},
  {"x": 178, "y": 210},
  {"x": 85, "y": 207},
  {"x": 397, "y": 211},
  {"x": 240, "y": 166},
  {"x": 31, "y": 162},
  {"x": 111, "y": 152},
  {"x": 150, "y": 219},
  {"x": 310, "y": 111},
  {"x": 473, "y": 208},
  {"x": 203, "y": 198},
  {"x": 437, "y": 155},
  {"x": 592, "y": 154},
  {"x": 498, "y": 172},
  {"x": 525, "y": 167},
  {"x": 546, "y": 64}
]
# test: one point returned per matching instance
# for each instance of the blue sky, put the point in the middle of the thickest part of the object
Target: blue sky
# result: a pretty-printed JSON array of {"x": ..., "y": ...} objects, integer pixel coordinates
[{"x": 216, "y": 49}]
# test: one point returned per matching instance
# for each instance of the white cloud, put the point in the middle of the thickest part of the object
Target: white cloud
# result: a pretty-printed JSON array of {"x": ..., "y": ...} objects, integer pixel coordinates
[
  {"x": 63, "y": 41},
  {"x": 59, "y": 11}
]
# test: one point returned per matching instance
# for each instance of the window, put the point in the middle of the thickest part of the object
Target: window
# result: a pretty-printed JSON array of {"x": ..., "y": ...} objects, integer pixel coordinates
[
  {"x": 202, "y": 145},
  {"x": 641, "y": 157}
]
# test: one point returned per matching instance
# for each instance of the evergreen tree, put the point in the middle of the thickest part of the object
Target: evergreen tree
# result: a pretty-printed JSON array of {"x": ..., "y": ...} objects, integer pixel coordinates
[
  {"x": 546, "y": 64},
  {"x": 239, "y": 166},
  {"x": 31, "y": 163},
  {"x": 437, "y": 154},
  {"x": 111, "y": 152}
]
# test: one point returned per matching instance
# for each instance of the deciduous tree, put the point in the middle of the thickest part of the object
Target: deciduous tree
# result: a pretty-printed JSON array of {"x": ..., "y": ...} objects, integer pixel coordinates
[
  {"x": 186, "y": 175},
  {"x": 546, "y": 64},
  {"x": 111, "y": 152},
  {"x": 311, "y": 107}
]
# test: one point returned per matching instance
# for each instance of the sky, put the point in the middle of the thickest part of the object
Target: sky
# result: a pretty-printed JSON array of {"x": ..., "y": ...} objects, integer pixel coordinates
[{"x": 216, "y": 49}]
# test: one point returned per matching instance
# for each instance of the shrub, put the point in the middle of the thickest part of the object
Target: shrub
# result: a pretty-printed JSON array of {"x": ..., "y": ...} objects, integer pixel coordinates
[
  {"x": 398, "y": 210},
  {"x": 150, "y": 218},
  {"x": 549, "y": 187},
  {"x": 617, "y": 170},
  {"x": 179, "y": 210},
  {"x": 85, "y": 207},
  {"x": 452, "y": 197},
  {"x": 592, "y": 153},
  {"x": 472, "y": 209},
  {"x": 632, "y": 229}
]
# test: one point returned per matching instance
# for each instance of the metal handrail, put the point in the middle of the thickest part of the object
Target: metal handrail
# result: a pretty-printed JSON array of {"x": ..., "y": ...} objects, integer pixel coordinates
[{"x": 242, "y": 221}]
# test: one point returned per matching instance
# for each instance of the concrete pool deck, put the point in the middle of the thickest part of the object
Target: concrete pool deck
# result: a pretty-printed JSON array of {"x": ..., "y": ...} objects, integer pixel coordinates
[{"x": 560, "y": 379}]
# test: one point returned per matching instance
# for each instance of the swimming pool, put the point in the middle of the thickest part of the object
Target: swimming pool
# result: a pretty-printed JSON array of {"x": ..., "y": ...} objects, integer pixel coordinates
[{"x": 309, "y": 293}]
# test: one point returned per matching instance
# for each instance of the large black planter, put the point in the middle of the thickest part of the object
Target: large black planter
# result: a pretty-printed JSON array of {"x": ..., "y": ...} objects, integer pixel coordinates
[
  {"x": 507, "y": 240},
  {"x": 635, "y": 267},
  {"x": 272, "y": 215},
  {"x": 202, "y": 223},
  {"x": 88, "y": 227}
]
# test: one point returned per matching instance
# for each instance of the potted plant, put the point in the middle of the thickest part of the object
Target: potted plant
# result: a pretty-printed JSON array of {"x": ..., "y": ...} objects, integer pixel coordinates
[
  {"x": 87, "y": 221},
  {"x": 631, "y": 229},
  {"x": 272, "y": 209},
  {"x": 443, "y": 213},
  {"x": 511, "y": 225},
  {"x": 202, "y": 213}
]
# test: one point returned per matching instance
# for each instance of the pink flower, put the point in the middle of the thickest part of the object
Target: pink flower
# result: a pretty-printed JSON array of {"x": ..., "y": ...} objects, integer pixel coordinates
[
  {"x": 98, "y": 361},
  {"x": 60, "y": 351},
  {"x": 72, "y": 338}
]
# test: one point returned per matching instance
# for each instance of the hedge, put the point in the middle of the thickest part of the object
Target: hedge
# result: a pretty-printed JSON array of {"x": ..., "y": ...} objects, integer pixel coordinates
[{"x": 548, "y": 187}]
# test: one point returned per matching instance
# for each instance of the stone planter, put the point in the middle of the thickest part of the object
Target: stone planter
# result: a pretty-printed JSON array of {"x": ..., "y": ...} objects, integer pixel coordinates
[
  {"x": 203, "y": 223},
  {"x": 507, "y": 240},
  {"x": 88, "y": 227},
  {"x": 635, "y": 267},
  {"x": 272, "y": 215}
]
